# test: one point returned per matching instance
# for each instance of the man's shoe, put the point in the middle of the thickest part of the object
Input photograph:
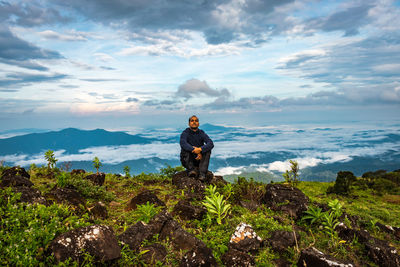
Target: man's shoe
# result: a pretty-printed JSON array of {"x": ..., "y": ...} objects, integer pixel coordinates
[{"x": 192, "y": 173}]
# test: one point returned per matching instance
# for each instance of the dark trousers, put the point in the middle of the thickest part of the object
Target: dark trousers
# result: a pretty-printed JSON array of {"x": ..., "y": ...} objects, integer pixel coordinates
[{"x": 188, "y": 160}]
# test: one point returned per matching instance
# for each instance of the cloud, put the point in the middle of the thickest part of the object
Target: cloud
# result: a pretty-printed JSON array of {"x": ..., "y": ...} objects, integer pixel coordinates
[
  {"x": 219, "y": 21},
  {"x": 30, "y": 13},
  {"x": 254, "y": 103},
  {"x": 348, "y": 20},
  {"x": 16, "y": 49},
  {"x": 70, "y": 36},
  {"x": 195, "y": 87},
  {"x": 132, "y": 99},
  {"x": 23, "y": 79}
]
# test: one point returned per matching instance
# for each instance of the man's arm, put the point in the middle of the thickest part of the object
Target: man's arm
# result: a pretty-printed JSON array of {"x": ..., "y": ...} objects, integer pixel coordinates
[
  {"x": 208, "y": 143},
  {"x": 183, "y": 142}
]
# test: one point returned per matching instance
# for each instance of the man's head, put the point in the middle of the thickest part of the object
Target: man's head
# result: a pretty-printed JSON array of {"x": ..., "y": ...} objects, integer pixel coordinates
[{"x": 194, "y": 123}]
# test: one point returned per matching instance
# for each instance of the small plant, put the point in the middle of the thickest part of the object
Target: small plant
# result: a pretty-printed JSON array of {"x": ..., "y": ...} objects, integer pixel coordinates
[
  {"x": 292, "y": 176},
  {"x": 97, "y": 164},
  {"x": 146, "y": 212},
  {"x": 170, "y": 171},
  {"x": 314, "y": 215},
  {"x": 216, "y": 204},
  {"x": 51, "y": 160},
  {"x": 127, "y": 171}
]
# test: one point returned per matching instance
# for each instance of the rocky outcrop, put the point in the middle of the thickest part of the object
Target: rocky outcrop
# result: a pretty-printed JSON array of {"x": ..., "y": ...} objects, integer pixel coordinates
[
  {"x": 194, "y": 188},
  {"x": 245, "y": 239},
  {"x": 154, "y": 253},
  {"x": 16, "y": 171},
  {"x": 287, "y": 199},
  {"x": 30, "y": 195},
  {"x": 198, "y": 256},
  {"x": 97, "y": 179},
  {"x": 97, "y": 240},
  {"x": 379, "y": 251},
  {"x": 312, "y": 257},
  {"x": 237, "y": 258},
  {"x": 280, "y": 241},
  {"x": 15, "y": 181},
  {"x": 135, "y": 235},
  {"x": 163, "y": 224},
  {"x": 66, "y": 195},
  {"x": 186, "y": 211},
  {"x": 143, "y": 198},
  {"x": 99, "y": 210}
]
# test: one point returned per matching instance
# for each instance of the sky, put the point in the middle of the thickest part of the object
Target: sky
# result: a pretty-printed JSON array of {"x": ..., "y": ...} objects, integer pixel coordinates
[{"x": 115, "y": 64}]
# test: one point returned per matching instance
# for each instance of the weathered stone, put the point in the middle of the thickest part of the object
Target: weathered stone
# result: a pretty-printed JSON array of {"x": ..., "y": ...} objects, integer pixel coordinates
[
  {"x": 312, "y": 257},
  {"x": 97, "y": 179},
  {"x": 193, "y": 187},
  {"x": 97, "y": 240},
  {"x": 179, "y": 238},
  {"x": 287, "y": 199},
  {"x": 217, "y": 179},
  {"x": 281, "y": 240},
  {"x": 99, "y": 210},
  {"x": 135, "y": 235},
  {"x": 198, "y": 256},
  {"x": 158, "y": 222},
  {"x": 143, "y": 198},
  {"x": 237, "y": 258},
  {"x": 379, "y": 251},
  {"x": 30, "y": 195},
  {"x": 15, "y": 181},
  {"x": 245, "y": 239},
  {"x": 67, "y": 195},
  {"x": 186, "y": 211},
  {"x": 16, "y": 171},
  {"x": 77, "y": 171},
  {"x": 155, "y": 253}
]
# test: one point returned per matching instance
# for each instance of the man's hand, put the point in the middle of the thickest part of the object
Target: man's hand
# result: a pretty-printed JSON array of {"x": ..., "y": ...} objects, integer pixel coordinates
[
  {"x": 199, "y": 156},
  {"x": 196, "y": 150}
]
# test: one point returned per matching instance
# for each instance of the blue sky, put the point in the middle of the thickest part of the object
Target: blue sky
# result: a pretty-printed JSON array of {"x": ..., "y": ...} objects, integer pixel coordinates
[{"x": 113, "y": 64}]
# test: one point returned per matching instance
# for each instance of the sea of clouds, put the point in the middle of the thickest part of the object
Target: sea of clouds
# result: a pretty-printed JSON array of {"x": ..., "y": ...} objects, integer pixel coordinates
[{"x": 310, "y": 145}]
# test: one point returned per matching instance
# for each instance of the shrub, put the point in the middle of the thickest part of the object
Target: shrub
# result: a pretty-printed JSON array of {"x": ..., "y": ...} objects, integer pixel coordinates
[
  {"x": 51, "y": 160},
  {"x": 247, "y": 190},
  {"x": 97, "y": 164},
  {"x": 292, "y": 176},
  {"x": 127, "y": 171},
  {"x": 170, "y": 171},
  {"x": 26, "y": 230},
  {"x": 343, "y": 181}
]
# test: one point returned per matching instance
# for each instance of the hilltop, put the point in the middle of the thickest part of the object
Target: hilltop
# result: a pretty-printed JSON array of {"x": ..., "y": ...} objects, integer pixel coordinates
[{"x": 167, "y": 219}]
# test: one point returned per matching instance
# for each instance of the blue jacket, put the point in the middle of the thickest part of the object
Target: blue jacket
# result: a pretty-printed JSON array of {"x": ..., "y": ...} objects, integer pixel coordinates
[{"x": 199, "y": 138}]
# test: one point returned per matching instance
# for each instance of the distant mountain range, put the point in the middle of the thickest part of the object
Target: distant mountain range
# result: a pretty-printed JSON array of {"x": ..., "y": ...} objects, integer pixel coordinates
[{"x": 70, "y": 139}]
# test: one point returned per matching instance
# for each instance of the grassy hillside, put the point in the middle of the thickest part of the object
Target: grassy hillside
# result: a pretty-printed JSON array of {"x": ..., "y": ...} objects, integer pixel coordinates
[{"x": 27, "y": 230}]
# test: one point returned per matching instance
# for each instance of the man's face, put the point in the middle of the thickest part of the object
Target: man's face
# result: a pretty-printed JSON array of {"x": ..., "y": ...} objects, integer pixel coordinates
[{"x": 194, "y": 123}]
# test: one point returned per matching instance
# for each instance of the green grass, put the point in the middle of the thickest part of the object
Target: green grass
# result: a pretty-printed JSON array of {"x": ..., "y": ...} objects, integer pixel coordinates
[{"x": 118, "y": 191}]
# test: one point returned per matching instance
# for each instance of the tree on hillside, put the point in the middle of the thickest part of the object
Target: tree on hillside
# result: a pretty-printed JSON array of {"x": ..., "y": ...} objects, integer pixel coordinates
[
  {"x": 97, "y": 164},
  {"x": 127, "y": 171},
  {"x": 51, "y": 160},
  {"x": 292, "y": 176}
]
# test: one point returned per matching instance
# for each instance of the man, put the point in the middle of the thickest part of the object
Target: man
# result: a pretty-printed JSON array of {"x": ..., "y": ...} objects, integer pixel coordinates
[{"x": 195, "y": 149}]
